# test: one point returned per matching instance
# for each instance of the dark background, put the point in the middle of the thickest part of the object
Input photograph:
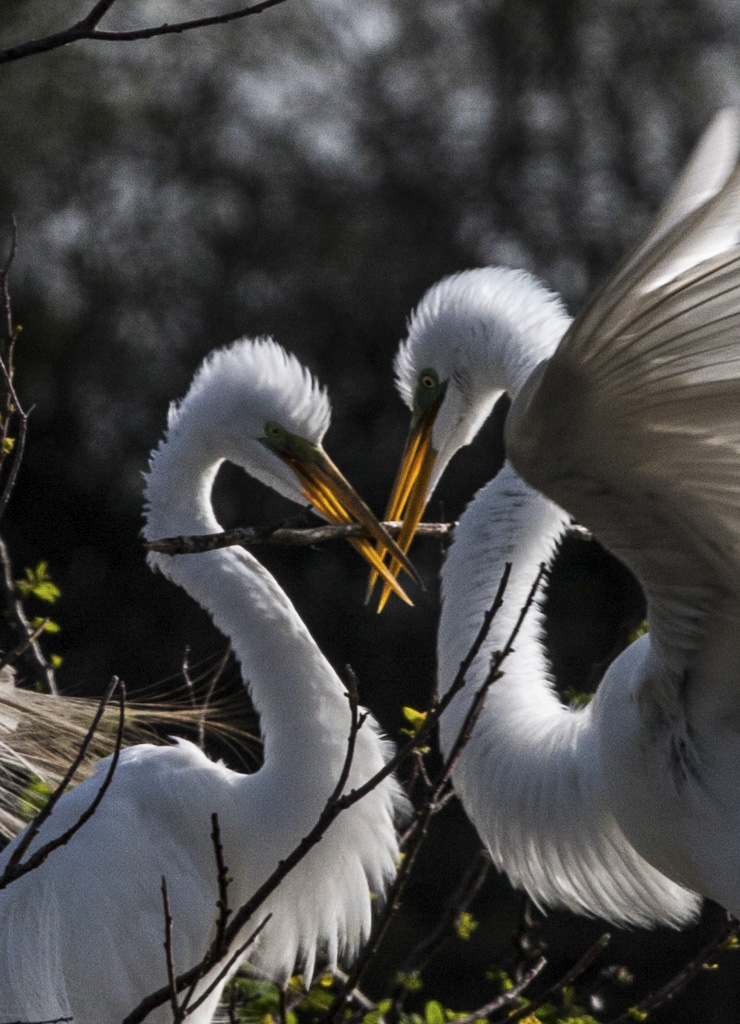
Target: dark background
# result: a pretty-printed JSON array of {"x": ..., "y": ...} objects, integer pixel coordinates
[{"x": 308, "y": 173}]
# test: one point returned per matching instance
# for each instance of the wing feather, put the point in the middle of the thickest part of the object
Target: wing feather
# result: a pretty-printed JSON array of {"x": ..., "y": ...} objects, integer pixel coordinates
[{"x": 633, "y": 425}]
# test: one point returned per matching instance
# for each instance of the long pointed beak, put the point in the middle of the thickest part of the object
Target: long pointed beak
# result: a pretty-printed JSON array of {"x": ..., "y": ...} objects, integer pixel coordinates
[
  {"x": 334, "y": 497},
  {"x": 409, "y": 495}
]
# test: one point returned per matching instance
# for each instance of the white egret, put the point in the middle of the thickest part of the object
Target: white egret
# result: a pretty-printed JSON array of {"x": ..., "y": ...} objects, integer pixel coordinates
[
  {"x": 83, "y": 934},
  {"x": 629, "y": 418}
]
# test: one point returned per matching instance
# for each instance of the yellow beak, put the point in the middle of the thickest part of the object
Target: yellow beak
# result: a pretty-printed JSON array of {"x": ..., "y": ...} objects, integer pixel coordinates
[
  {"x": 331, "y": 494},
  {"x": 409, "y": 495}
]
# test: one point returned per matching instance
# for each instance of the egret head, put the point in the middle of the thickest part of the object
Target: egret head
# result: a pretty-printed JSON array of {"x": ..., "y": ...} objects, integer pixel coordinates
[
  {"x": 472, "y": 337},
  {"x": 255, "y": 405}
]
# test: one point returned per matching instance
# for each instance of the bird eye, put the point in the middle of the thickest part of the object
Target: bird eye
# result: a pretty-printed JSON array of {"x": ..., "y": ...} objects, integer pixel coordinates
[
  {"x": 428, "y": 380},
  {"x": 273, "y": 429}
]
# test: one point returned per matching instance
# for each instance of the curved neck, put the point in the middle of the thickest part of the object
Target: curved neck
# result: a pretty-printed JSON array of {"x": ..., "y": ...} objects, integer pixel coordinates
[
  {"x": 507, "y": 522},
  {"x": 300, "y": 699},
  {"x": 530, "y": 775}
]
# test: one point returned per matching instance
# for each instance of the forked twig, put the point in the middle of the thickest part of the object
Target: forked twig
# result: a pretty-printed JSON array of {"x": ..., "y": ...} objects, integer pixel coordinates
[{"x": 86, "y": 29}]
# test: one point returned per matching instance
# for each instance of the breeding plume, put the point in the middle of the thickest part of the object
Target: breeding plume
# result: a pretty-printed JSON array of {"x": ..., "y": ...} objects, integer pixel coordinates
[
  {"x": 82, "y": 936},
  {"x": 629, "y": 419}
]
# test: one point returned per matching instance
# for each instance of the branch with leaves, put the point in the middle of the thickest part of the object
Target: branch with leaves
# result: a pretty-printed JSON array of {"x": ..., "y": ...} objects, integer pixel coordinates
[
  {"x": 13, "y": 432},
  {"x": 87, "y": 28}
]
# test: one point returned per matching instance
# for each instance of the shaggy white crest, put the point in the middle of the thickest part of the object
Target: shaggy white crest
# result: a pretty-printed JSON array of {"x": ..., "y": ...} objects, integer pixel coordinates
[
  {"x": 463, "y": 322},
  {"x": 82, "y": 935},
  {"x": 259, "y": 379}
]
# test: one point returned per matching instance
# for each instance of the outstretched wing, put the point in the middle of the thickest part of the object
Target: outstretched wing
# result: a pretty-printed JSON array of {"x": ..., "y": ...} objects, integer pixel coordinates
[{"x": 634, "y": 424}]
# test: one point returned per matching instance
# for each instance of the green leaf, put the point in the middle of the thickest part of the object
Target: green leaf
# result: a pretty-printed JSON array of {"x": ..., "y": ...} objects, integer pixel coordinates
[
  {"x": 504, "y": 980},
  {"x": 409, "y": 980},
  {"x": 374, "y": 1016},
  {"x": 39, "y": 584},
  {"x": 49, "y": 625},
  {"x": 576, "y": 698},
  {"x": 8, "y": 445},
  {"x": 466, "y": 925},
  {"x": 34, "y": 798},
  {"x": 415, "y": 719},
  {"x": 434, "y": 1013}
]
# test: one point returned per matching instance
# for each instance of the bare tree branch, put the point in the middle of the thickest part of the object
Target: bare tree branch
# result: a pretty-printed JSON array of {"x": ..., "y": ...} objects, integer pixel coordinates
[
  {"x": 86, "y": 28},
  {"x": 169, "y": 958},
  {"x": 12, "y": 405},
  {"x": 4, "y": 271},
  {"x": 251, "y": 535}
]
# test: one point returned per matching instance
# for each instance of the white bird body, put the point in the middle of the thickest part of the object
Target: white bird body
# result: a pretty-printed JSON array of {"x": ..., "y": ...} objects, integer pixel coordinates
[
  {"x": 629, "y": 418},
  {"x": 83, "y": 934}
]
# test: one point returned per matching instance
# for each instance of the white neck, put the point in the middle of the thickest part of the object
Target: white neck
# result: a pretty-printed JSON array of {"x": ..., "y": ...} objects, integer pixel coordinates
[
  {"x": 303, "y": 709},
  {"x": 529, "y": 777}
]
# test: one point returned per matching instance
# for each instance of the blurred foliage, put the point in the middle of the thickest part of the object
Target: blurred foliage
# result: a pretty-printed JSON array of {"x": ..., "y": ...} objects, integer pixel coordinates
[{"x": 308, "y": 174}]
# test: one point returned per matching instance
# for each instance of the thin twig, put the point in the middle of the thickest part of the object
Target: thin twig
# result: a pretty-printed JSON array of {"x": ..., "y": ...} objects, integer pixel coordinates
[
  {"x": 222, "y": 875},
  {"x": 12, "y": 405},
  {"x": 15, "y": 868},
  {"x": 568, "y": 978},
  {"x": 169, "y": 958},
  {"x": 18, "y": 452},
  {"x": 4, "y": 271},
  {"x": 506, "y": 998},
  {"x": 684, "y": 976},
  {"x": 226, "y": 967},
  {"x": 86, "y": 29},
  {"x": 23, "y": 645}
]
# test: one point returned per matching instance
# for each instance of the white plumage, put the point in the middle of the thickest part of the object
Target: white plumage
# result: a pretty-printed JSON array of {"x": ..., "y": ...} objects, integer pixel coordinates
[
  {"x": 629, "y": 418},
  {"x": 83, "y": 934}
]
